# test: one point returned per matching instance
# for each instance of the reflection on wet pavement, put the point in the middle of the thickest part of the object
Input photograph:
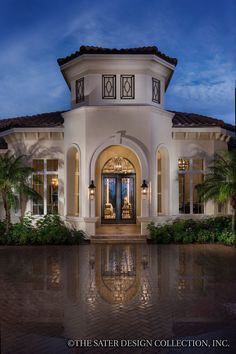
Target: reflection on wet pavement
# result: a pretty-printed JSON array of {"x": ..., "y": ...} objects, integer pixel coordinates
[{"x": 130, "y": 291}]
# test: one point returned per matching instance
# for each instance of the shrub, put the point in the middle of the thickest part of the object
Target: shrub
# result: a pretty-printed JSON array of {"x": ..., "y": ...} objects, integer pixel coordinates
[
  {"x": 22, "y": 233},
  {"x": 49, "y": 230},
  {"x": 160, "y": 234},
  {"x": 205, "y": 236},
  {"x": 227, "y": 237},
  {"x": 2, "y": 232},
  {"x": 188, "y": 231}
]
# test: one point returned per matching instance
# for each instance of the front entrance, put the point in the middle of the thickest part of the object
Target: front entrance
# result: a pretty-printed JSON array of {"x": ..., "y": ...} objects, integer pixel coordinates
[
  {"x": 118, "y": 199},
  {"x": 118, "y": 192}
]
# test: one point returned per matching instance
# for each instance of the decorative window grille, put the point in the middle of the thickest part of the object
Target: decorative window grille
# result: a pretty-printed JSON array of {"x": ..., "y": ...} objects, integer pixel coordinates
[
  {"x": 127, "y": 86},
  {"x": 79, "y": 90},
  {"x": 109, "y": 86},
  {"x": 156, "y": 91}
]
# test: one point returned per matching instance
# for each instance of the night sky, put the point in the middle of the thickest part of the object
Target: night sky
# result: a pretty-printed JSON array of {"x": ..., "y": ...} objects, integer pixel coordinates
[{"x": 200, "y": 34}]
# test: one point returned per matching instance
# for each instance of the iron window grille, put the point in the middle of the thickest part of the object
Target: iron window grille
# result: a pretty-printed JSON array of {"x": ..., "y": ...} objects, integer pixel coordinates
[
  {"x": 79, "y": 90},
  {"x": 156, "y": 91},
  {"x": 109, "y": 86},
  {"x": 127, "y": 86}
]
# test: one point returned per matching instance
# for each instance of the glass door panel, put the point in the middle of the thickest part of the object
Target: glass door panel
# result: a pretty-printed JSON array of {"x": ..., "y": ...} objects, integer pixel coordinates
[
  {"x": 127, "y": 198},
  {"x": 109, "y": 198}
]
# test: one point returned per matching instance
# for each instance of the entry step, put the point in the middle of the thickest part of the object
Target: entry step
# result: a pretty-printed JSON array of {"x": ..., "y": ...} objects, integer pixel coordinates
[{"x": 118, "y": 239}]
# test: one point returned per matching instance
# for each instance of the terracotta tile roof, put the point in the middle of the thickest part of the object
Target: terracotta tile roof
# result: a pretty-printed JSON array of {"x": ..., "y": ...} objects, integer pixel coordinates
[
  {"x": 99, "y": 50},
  {"x": 43, "y": 120},
  {"x": 55, "y": 119},
  {"x": 191, "y": 120},
  {"x": 3, "y": 144}
]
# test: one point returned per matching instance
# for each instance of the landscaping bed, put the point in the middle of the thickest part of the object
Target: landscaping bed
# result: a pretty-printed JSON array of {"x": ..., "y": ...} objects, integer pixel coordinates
[
  {"x": 48, "y": 230},
  {"x": 209, "y": 230}
]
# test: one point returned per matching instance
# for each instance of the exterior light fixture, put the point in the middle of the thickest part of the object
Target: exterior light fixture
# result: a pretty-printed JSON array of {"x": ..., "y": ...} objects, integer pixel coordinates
[
  {"x": 92, "y": 188},
  {"x": 183, "y": 164},
  {"x": 144, "y": 187}
]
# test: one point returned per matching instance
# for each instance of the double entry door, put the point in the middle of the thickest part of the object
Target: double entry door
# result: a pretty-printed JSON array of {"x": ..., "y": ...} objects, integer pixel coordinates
[{"x": 118, "y": 199}]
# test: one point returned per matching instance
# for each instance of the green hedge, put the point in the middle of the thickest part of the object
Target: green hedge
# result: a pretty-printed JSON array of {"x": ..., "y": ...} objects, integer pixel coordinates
[
  {"x": 210, "y": 230},
  {"x": 48, "y": 230}
]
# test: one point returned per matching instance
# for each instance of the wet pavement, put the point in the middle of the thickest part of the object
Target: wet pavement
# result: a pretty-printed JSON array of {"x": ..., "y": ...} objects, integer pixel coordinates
[{"x": 49, "y": 295}]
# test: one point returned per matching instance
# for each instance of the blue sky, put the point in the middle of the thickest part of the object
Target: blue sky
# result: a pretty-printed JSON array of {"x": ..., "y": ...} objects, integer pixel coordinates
[{"x": 34, "y": 33}]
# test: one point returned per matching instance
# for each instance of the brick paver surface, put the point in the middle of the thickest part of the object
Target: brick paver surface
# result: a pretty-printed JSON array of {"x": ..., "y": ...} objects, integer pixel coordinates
[{"x": 119, "y": 292}]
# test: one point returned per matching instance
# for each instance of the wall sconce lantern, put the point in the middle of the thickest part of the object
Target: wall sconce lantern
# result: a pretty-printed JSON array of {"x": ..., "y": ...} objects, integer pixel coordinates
[
  {"x": 92, "y": 188},
  {"x": 144, "y": 188},
  {"x": 183, "y": 164}
]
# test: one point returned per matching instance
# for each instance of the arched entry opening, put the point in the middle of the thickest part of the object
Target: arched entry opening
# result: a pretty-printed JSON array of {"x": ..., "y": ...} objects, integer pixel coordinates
[
  {"x": 73, "y": 172},
  {"x": 118, "y": 181}
]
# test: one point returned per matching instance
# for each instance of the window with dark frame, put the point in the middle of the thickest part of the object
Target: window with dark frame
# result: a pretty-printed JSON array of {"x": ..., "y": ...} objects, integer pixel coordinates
[
  {"x": 127, "y": 86},
  {"x": 79, "y": 90},
  {"x": 109, "y": 86},
  {"x": 156, "y": 90}
]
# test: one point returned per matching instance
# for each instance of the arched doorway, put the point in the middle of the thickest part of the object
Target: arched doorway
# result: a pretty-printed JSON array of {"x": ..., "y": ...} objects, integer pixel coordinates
[
  {"x": 118, "y": 180},
  {"x": 118, "y": 191}
]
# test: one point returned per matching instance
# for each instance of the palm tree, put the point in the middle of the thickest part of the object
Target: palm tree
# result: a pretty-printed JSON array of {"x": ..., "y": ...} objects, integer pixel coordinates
[
  {"x": 15, "y": 183},
  {"x": 220, "y": 181}
]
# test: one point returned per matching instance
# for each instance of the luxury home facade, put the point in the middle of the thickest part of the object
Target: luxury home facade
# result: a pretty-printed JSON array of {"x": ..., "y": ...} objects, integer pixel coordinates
[{"x": 117, "y": 156}]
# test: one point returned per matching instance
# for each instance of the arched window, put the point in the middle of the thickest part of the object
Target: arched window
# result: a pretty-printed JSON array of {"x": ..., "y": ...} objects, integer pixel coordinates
[
  {"x": 73, "y": 174},
  {"x": 159, "y": 184},
  {"x": 162, "y": 181}
]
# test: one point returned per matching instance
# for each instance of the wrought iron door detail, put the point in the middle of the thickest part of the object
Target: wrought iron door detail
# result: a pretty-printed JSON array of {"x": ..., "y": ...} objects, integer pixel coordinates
[
  {"x": 127, "y": 86},
  {"x": 156, "y": 90},
  {"x": 118, "y": 198},
  {"x": 79, "y": 90},
  {"x": 109, "y": 86}
]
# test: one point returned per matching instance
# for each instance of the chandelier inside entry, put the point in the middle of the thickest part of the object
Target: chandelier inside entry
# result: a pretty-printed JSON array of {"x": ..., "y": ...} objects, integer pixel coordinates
[{"x": 118, "y": 164}]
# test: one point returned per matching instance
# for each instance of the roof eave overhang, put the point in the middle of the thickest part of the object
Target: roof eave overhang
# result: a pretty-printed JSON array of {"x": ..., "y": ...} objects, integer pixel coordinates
[
  {"x": 215, "y": 129},
  {"x": 32, "y": 130}
]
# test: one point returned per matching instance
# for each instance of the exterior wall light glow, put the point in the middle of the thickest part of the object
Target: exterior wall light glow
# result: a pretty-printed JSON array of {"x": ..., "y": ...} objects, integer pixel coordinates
[
  {"x": 144, "y": 187},
  {"x": 183, "y": 164},
  {"x": 92, "y": 188}
]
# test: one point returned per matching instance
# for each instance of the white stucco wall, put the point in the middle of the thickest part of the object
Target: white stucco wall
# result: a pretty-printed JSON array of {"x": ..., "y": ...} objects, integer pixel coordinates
[{"x": 138, "y": 124}]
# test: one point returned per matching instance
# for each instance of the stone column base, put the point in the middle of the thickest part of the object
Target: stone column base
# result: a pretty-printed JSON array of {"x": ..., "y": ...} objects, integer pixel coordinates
[
  {"x": 144, "y": 221},
  {"x": 90, "y": 226}
]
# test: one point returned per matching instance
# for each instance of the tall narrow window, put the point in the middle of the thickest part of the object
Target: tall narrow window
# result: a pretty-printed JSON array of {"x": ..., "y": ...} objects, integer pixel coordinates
[
  {"x": 52, "y": 186},
  {"x": 162, "y": 160},
  {"x": 73, "y": 175},
  {"x": 76, "y": 183},
  {"x": 38, "y": 185},
  {"x": 156, "y": 91},
  {"x": 159, "y": 183},
  {"x": 79, "y": 90},
  {"x": 109, "y": 86},
  {"x": 127, "y": 86},
  {"x": 45, "y": 182},
  {"x": 191, "y": 174}
]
